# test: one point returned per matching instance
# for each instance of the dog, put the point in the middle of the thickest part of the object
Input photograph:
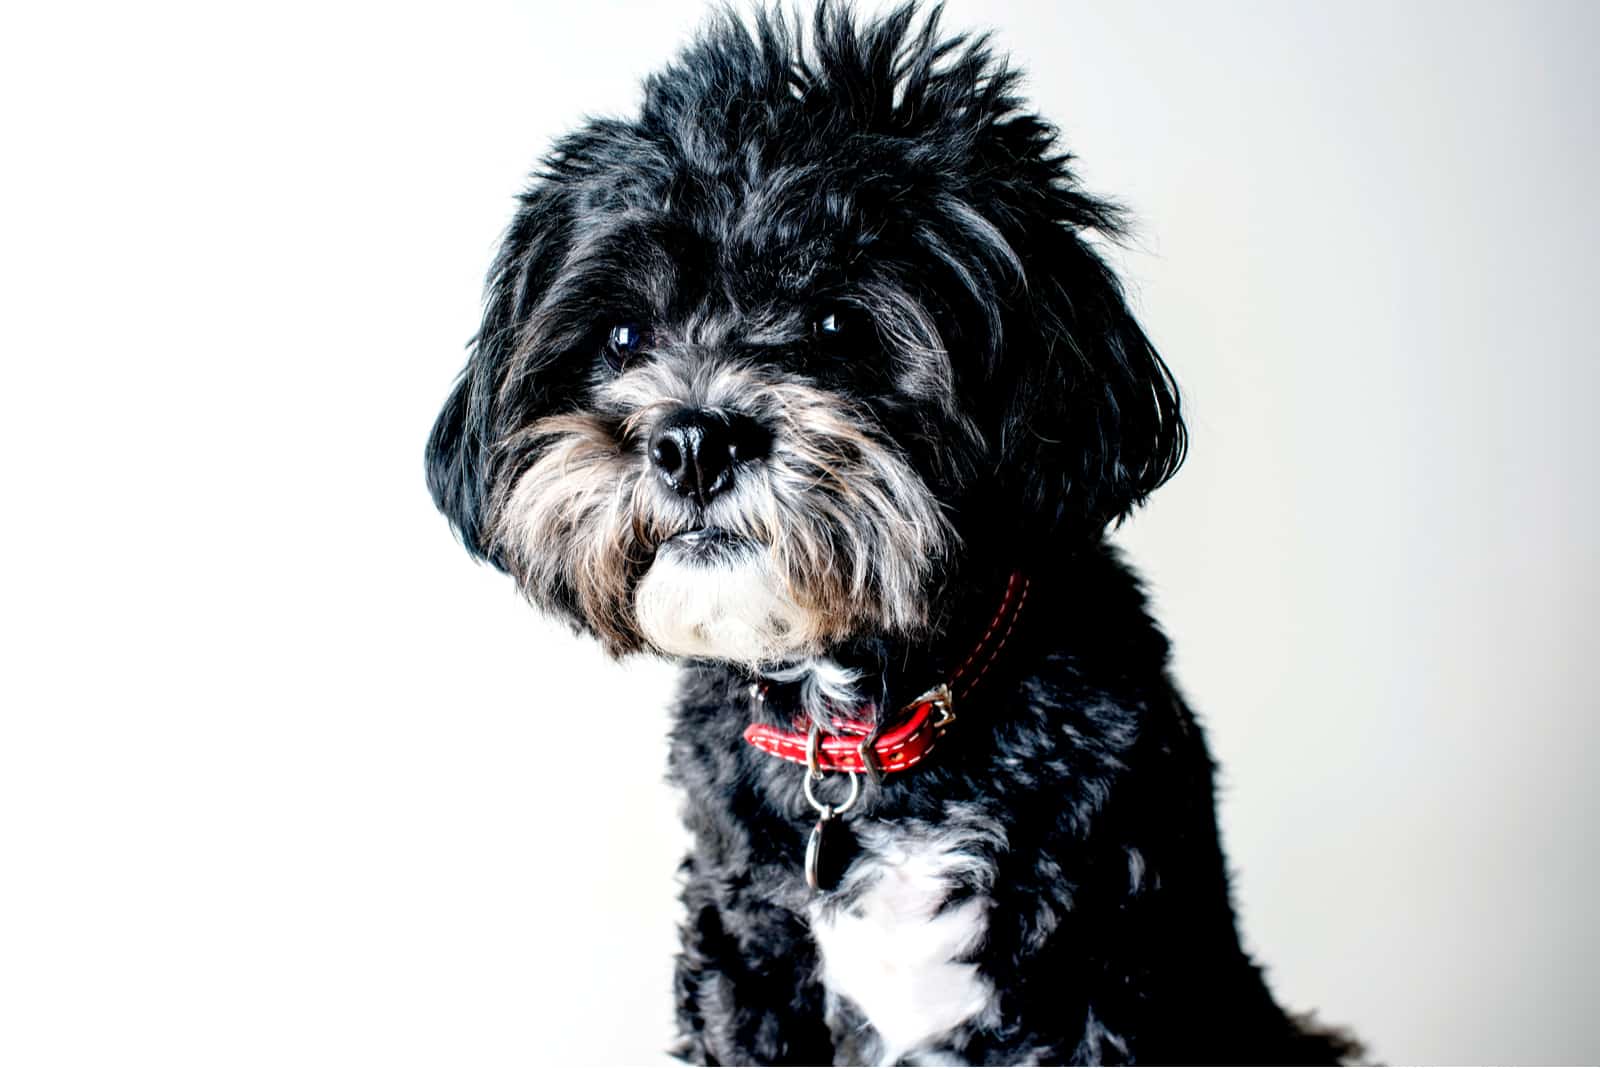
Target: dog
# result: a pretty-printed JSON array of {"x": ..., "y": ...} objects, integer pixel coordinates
[{"x": 810, "y": 377}]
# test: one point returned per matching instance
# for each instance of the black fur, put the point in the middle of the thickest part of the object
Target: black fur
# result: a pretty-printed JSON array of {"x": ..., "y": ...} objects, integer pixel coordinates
[
  {"x": 891, "y": 176},
  {"x": 1113, "y": 938}
]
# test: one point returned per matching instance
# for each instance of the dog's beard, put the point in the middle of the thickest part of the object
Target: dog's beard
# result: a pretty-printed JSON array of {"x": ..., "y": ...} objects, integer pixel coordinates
[
  {"x": 832, "y": 534},
  {"x": 722, "y": 601}
]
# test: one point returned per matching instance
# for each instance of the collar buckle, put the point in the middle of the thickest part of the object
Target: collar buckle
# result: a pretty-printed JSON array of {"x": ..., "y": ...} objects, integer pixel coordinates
[{"x": 944, "y": 705}]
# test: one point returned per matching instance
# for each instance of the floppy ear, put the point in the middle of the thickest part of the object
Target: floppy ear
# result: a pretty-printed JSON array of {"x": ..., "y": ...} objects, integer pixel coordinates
[
  {"x": 460, "y": 450},
  {"x": 1093, "y": 425},
  {"x": 455, "y": 461}
]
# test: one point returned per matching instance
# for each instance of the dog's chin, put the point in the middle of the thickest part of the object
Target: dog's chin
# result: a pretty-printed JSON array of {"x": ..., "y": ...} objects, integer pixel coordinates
[{"x": 712, "y": 595}]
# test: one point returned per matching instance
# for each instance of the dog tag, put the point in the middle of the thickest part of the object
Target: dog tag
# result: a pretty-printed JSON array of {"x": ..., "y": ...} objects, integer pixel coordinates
[
  {"x": 827, "y": 851},
  {"x": 814, "y": 850}
]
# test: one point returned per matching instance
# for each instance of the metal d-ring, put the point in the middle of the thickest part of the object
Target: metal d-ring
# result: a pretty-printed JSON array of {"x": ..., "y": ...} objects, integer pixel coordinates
[
  {"x": 813, "y": 768},
  {"x": 835, "y": 810},
  {"x": 815, "y": 774},
  {"x": 869, "y": 758}
]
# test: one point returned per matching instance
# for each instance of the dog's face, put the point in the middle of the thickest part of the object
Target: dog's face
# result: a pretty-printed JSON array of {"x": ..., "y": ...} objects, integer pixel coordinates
[{"x": 760, "y": 369}]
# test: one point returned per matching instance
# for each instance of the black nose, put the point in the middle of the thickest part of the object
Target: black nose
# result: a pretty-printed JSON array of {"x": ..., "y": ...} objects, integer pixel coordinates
[{"x": 694, "y": 450}]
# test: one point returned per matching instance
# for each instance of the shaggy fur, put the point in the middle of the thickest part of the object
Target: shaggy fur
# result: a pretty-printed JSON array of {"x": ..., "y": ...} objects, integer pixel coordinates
[{"x": 846, "y": 260}]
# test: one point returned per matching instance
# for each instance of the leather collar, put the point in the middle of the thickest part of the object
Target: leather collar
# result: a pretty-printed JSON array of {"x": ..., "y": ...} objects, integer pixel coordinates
[{"x": 861, "y": 745}]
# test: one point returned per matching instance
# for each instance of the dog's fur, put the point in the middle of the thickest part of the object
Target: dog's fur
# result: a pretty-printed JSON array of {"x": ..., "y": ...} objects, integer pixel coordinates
[{"x": 853, "y": 241}]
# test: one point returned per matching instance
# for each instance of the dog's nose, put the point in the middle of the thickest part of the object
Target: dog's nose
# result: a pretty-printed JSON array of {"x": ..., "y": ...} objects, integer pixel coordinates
[{"x": 694, "y": 450}]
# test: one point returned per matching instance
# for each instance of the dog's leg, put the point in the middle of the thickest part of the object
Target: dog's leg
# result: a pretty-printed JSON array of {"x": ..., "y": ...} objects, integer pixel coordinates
[{"x": 746, "y": 988}]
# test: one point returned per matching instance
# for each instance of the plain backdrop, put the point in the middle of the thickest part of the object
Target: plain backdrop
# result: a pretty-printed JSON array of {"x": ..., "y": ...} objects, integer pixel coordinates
[{"x": 285, "y": 779}]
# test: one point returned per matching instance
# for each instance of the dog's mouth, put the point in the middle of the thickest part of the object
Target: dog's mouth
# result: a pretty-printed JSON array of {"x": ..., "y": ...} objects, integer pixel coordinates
[{"x": 704, "y": 545}]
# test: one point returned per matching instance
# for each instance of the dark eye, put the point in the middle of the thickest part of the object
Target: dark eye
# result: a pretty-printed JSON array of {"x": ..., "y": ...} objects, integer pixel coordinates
[
  {"x": 833, "y": 322},
  {"x": 623, "y": 342}
]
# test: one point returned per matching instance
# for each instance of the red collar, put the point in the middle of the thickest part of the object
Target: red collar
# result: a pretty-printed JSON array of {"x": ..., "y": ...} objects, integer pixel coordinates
[{"x": 911, "y": 736}]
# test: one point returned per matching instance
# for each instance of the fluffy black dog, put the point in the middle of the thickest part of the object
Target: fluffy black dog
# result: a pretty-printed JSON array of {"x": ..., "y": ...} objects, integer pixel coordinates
[{"x": 810, "y": 376}]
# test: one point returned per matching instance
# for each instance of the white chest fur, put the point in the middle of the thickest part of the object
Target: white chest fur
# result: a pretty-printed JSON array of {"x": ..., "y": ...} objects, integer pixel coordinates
[{"x": 895, "y": 949}]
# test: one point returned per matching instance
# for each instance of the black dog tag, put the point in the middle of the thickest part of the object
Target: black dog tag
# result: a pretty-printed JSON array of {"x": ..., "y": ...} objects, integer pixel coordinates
[{"x": 828, "y": 851}]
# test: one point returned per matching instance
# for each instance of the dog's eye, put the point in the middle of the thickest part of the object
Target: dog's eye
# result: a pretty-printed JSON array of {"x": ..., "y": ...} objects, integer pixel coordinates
[
  {"x": 622, "y": 343},
  {"x": 829, "y": 324}
]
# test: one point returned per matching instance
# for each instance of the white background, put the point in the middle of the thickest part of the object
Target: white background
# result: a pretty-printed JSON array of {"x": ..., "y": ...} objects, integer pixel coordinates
[{"x": 284, "y": 779}]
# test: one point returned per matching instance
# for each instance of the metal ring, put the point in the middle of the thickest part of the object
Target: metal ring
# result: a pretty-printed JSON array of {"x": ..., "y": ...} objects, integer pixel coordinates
[
  {"x": 813, "y": 743},
  {"x": 837, "y": 810},
  {"x": 869, "y": 760}
]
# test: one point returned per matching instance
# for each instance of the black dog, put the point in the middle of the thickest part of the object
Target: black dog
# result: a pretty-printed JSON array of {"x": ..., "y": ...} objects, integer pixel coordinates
[{"x": 810, "y": 377}]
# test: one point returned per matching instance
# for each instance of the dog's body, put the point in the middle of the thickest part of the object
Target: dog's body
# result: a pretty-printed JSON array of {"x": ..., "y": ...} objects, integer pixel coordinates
[
  {"x": 1050, "y": 891},
  {"x": 809, "y": 377}
]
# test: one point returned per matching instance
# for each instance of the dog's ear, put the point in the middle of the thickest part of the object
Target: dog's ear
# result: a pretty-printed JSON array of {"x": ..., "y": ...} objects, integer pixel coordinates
[
  {"x": 454, "y": 459},
  {"x": 1091, "y": 422},
  {"x": 459, "y": 454}
]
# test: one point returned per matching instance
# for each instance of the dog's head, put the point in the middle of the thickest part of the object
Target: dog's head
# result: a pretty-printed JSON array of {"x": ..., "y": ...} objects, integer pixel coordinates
[{"x": 760, "y": 368}]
